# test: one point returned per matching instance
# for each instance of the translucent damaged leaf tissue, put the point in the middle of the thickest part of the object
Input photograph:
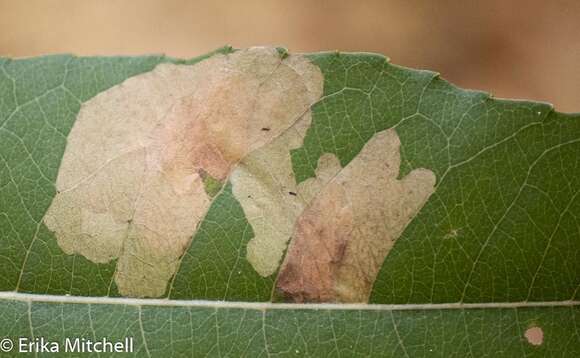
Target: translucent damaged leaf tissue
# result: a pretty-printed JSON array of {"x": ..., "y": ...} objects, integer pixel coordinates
[{"x": 131, "y": 185}]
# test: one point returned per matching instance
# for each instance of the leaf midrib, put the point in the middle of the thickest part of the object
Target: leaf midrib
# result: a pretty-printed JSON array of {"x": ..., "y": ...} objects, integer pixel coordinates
[{"x": 264, "y": 306}]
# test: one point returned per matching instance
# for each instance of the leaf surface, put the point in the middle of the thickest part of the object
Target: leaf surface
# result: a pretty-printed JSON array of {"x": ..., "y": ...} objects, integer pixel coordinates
[{"x": 332, "y": 203}]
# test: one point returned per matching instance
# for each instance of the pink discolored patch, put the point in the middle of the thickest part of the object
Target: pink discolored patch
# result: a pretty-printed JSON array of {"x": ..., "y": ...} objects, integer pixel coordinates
[{"x": 535, "y": 336}]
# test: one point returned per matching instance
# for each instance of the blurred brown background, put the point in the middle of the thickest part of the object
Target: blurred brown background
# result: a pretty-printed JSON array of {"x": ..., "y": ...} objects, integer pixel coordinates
[{"x": 518, "y": 49}]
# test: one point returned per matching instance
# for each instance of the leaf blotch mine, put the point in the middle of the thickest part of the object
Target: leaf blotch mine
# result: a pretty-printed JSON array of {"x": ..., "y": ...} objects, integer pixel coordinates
[
  {"x": 144, "y": 159},
  {"x": 342, "y": 238}
]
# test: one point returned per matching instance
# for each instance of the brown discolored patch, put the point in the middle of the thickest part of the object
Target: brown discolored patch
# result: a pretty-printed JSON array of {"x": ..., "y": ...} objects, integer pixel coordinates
[
  {"x": 341, "y": 239},
  {"x": 535, "y": 336},
  {"x": 307, "y": 275},
  {"x": 133, "y": 183}
]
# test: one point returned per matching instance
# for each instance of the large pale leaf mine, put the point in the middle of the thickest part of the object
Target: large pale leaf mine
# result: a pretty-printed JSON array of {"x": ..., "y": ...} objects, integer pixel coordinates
[
  {"x": 258, "y": 176},
  {"x": 131, "y": 184}
]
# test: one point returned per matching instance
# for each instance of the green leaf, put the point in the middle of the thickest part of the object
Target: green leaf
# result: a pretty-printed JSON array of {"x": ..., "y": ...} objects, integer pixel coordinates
[{"x": 490, "y": 250}]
